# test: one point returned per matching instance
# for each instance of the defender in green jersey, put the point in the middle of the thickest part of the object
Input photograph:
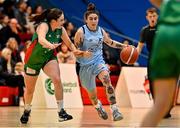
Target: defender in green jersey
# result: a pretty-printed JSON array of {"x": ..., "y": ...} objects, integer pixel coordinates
[
  {"x": 165, "y": 61},
  {"x": 40, "y": 55},
  {"x": 37, "y": 56}
]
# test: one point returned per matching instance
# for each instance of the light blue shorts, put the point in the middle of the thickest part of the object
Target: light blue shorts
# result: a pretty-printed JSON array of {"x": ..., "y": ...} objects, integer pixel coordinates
[{"x": 88, "y": 74}]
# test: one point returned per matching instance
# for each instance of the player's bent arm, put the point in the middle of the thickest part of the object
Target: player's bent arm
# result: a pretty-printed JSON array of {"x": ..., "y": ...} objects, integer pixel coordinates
[
  {"x": 67, "y": 40},
  {"x": 156, "y": 3},
  {"x": 42, "y": 30},
  {"x": 78, "y": 38},
  {"x": 112, "y": 43},
  {"x": 139, "y": 47}
]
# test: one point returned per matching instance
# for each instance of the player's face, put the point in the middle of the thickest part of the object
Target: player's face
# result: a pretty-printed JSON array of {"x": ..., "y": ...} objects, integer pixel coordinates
[
  {"x": 60, "y": 21},
  {"x": 152, "y": 18},
  {"x": 92, "y": 21}
]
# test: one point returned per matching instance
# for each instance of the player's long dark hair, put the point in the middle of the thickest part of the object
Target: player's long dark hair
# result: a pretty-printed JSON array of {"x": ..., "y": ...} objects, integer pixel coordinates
[
  {"x": 91, "y": 9},
  {"x": 48, "y": 15}
]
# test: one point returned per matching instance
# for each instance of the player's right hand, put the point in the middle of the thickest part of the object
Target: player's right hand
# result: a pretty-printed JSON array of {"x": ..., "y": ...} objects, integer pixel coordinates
[
  {"x": 87, "y": 54},
  {"x": 50, "y": 46},
  {"x": 79, "y": 53}
]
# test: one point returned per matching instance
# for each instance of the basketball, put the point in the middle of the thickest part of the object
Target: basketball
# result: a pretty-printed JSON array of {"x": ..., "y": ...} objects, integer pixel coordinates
[{"x": 129, "y": 55}]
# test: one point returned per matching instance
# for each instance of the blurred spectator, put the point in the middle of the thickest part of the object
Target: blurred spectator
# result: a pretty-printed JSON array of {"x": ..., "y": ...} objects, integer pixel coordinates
[
  {"x": 11, "y": 30},
  {"x": 20, "y": 15},
  {"x": 70, "y": 30},
  {"x": 38, "y": 10},
  {"x": 19, "y": 69},
  {"x": 22, "y": 53},
  {"x": 13, "y": 45},
  {"x": 30, "y": 25},
  {"x": 9, "y": 8},
  {"x": 66, "y": 56},
  {"x": 4, "y": 21},
  {"x": 29, "y": 11},
  {"x": 7, "y": 72}
]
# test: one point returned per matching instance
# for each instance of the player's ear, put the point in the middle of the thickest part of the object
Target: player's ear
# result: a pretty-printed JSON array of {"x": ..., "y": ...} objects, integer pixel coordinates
[{"x": 53, "y": 21}]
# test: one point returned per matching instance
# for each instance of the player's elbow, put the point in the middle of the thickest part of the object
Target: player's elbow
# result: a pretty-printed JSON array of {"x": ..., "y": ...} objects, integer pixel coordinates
[{"x": 40, "y": 39}]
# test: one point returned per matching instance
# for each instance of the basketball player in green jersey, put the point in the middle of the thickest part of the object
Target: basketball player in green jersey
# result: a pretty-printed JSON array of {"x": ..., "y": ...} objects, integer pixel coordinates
[
  {"x": 147, "y": 36},
  {"x": 41, "y": 55},
  {"x": 165, "y": 61}
]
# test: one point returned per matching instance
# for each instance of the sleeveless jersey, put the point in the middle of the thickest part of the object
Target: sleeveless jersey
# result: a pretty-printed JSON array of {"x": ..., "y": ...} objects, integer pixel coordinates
[
  {"x": 93, "y": 42},
  {"x": 36, "y": 55}
]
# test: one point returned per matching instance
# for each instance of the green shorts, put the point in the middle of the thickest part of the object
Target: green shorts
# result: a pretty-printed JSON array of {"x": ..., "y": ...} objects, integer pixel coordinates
[
  {"x": 165, "y": 59},
  {"x": 36, "y": 58}
]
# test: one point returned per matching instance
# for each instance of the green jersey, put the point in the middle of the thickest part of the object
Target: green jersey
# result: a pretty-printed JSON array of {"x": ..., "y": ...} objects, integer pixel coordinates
[
  {"x": 36, "y": 56},
  {"x": 165, "y": 59},
  {"x": 170, "y": 12}
]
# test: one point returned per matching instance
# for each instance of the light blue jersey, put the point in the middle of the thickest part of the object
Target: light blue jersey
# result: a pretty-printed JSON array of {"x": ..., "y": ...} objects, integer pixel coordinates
[
  {"x": 91, "y": 67},
  {"x": 93, "y": 42}
]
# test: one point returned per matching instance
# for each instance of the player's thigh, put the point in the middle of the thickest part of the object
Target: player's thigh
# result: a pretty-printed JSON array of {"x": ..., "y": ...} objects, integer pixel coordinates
[
  {"x": 164, "y": 90},
  {"x": 52, "y": 70}
]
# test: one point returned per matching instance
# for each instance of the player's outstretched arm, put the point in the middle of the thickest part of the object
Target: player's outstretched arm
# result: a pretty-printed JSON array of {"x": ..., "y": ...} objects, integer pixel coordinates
[{"x": 112, "y": 43}]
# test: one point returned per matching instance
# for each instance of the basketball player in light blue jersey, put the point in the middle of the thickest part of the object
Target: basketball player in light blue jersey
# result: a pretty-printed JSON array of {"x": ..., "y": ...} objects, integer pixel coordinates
[{"x": 90, "y": 37}]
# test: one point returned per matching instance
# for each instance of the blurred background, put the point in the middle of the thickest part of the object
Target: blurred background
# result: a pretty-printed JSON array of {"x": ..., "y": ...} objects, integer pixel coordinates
[{"x": 123, "y": 20}]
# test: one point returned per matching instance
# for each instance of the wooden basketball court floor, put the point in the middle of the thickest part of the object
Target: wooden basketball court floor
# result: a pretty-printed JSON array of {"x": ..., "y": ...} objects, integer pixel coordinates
[{"x": 86, "y": 117}]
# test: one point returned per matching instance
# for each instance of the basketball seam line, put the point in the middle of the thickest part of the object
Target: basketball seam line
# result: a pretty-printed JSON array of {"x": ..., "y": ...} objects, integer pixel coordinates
[{"x": 130, "y": 56}]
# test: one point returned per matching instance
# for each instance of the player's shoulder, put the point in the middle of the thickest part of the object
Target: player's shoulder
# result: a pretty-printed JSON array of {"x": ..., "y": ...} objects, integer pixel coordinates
[
  {"x": 101, "y": 28},
  {"x": 80, "y": 30},
  {"x": 145, "y": 27},
  {"x": 43, "y": 24}
]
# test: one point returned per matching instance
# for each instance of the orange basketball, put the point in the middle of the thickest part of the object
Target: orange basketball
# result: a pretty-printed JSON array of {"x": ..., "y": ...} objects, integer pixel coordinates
[{"x": 129, "y": 55}]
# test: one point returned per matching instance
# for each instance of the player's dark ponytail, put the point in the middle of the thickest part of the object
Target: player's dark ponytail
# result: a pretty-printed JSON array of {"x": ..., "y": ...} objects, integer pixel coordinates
[
  {"x": 40, "y": 17},
  {"x": 91, "y": 9},
  {"x": 48, "y": 15}
]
